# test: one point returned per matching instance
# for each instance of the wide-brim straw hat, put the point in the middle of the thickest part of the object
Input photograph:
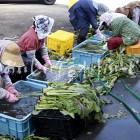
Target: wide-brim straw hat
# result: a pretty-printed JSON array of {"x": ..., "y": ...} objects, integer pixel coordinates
[{"x": 11, "y": 56}]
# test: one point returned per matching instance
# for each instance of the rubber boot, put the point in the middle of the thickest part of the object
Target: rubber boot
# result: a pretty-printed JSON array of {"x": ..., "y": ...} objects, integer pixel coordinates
[{"x": 80, "y": 39}]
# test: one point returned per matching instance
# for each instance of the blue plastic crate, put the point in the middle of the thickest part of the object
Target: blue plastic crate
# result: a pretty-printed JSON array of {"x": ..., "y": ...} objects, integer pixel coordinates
[
  {"x": 19, "y": 128},
  {"x": 35, "y": 86},
  {"x": 77, "y": 79},
  {"x": 86, "y": 58}
]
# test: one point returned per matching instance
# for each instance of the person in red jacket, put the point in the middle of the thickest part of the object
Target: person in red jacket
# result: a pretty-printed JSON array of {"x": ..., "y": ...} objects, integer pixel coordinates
[{"x": 33, "y": 40}]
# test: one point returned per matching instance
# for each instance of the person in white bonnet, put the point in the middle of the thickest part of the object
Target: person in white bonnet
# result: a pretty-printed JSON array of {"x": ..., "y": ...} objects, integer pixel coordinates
[
  {"x": 33, "y": 41},
  {"x": 124, "y": 31}
]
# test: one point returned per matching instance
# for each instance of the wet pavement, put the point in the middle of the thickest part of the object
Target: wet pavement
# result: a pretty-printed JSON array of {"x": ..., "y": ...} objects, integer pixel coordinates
[
  {"x": 16, "y": 18},
  {"x": 121, "y": 124}
]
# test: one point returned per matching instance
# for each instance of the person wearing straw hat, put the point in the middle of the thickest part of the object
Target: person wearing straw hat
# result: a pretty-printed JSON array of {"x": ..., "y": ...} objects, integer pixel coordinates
[
  {"x": 131, "y": 10},
  {"x": 124, "y": 31},
  {"x": 33, "y": 41},
  {"x": 82, "y": 13},
  {"x": 10, "y": 56}
]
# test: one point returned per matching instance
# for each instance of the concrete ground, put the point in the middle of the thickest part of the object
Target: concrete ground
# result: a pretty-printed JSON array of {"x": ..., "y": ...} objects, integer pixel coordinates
[{"x": 15, "y": 19}]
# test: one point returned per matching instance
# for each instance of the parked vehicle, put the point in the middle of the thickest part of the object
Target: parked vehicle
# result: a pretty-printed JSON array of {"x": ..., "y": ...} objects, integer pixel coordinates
[{"x": 48, "y": 2}]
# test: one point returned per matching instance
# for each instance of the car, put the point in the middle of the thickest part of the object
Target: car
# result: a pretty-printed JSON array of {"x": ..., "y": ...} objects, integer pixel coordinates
[{"x": 48, "y": 2}]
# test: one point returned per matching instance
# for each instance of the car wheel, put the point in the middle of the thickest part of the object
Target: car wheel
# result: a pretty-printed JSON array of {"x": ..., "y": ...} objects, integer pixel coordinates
[{"x": 49, "y": 2}]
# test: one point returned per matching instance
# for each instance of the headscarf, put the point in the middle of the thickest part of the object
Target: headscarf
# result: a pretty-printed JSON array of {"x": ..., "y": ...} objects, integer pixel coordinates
[
  {"x": 43, "y": 25},
  {"x": 108, "y": 17},
  {"x": 101, "y": 8}
]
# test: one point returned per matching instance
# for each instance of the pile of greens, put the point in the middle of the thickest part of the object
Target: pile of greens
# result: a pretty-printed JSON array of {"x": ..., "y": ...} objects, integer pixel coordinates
[
  {"x": 70, "y": 99},
  {"x": 90, "y": 47},
  {"x": 6, "y": 138},
  {"x": 32, "y": 137},
  {"x": 114, "y": 66}
]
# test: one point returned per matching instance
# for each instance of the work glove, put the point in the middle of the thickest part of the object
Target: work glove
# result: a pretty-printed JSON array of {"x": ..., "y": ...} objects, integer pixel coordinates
[
  {"x": 12, "y": 90},
  {"x": 41, "y": 68},
  {"x": 10, "y": 97},
  {"x": 101, "y": 36},
  {"x": 47, "y": 60},
  {"x": 44, "y": 69}
]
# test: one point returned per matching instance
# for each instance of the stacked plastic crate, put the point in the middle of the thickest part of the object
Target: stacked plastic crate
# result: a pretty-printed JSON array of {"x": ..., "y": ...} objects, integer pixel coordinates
[
  {"x": 133, "y": 50},
  {"x": 85, "y": 57},
  {"x": 60, "y": 42},
  {"x": 14, "y": 124}
]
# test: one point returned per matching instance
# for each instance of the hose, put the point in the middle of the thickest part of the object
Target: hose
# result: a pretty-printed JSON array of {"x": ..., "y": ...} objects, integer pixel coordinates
[
  {"x": 130, "y": 91},
  {"x": 128, "y": 107},
  {"x": 135, "y": 115}
]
